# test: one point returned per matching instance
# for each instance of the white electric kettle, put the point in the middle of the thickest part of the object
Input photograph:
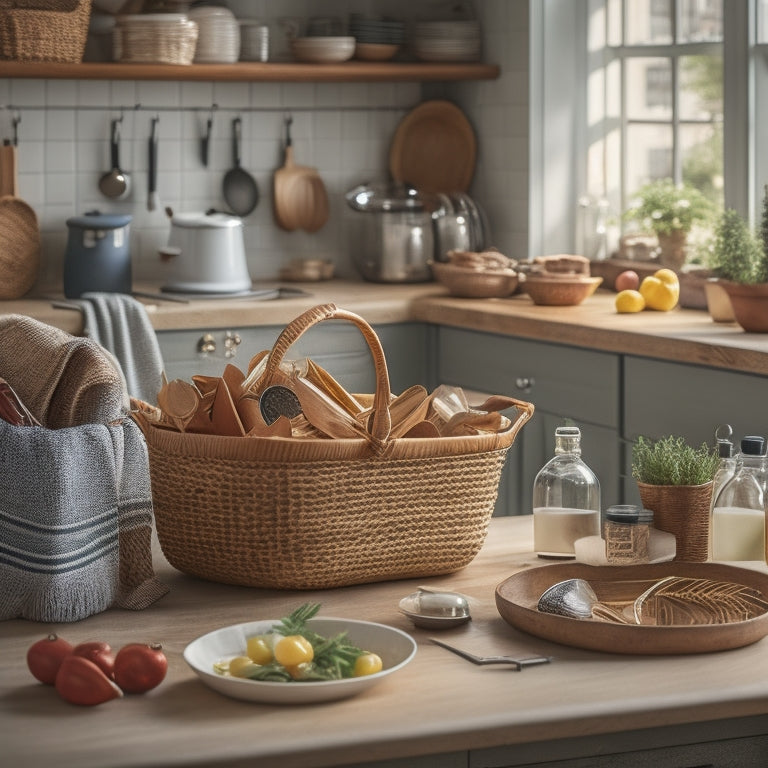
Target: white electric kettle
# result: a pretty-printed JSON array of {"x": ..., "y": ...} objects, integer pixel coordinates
[{"x": 205, "y": 254}]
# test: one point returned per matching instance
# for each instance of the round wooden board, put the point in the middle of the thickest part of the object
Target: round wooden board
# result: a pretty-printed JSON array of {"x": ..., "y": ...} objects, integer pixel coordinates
[
  {"x": 517, "y": 597},
  {"x": 19, "y": 247},
  {"x": 434, "y": 149}
]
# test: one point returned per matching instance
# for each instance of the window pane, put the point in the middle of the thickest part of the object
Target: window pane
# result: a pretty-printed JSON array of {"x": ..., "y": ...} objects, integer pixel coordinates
[
  {"x": 701, "y": 87},
  {"x": 648, "y": 88},
  {"x": 701, "y": 150},
  {"x": 762, "y": 21},
  {"x": 700, "y": 21},
  {"x": 649, "y": 154},
  {"x": 649, "y": 21}
]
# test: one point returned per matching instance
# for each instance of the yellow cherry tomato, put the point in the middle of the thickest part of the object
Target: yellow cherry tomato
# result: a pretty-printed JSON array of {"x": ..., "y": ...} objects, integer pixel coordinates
[
  {"x": 367, "y": 664},
  {"x": 240, "y": 666},
  {"x": 292, "y": 650},
  {"x": 660, "y": 293},
  {"x": 259, "y": 649},
  {"x": 629, "y": 301},
  {"x": 299, "y": 671}
]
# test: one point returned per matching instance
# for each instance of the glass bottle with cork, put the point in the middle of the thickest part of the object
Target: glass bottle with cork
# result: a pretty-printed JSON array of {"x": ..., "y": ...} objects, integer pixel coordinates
[{"x": 566, "y": 498}]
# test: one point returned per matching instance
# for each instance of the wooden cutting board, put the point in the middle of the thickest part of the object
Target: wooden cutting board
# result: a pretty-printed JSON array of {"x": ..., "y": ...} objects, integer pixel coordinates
[
  {"x": 434, "y": 149},
  {"x": 19, "y": 232}
]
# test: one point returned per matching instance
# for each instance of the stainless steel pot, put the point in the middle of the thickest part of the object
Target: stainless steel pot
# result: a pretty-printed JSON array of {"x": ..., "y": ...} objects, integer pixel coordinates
[{"x": 392, "y": 233}]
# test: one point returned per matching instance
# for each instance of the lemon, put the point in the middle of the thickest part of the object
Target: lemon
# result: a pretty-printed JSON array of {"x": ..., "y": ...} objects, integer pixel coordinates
[
  {"x": 659, "y": 291},
  {"x": 629, "y": 301},
  {"x": 667, "y": 276}
]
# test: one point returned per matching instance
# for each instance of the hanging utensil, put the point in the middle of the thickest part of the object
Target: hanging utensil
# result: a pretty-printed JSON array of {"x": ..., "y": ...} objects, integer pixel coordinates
[
  {"x": 301, "y": 200},
  {"x": 116, "y": 183},
  {"x": 205, "y": 142},
  {"x": 240, "y": 190},
  {"x": 153, "y": 200}
]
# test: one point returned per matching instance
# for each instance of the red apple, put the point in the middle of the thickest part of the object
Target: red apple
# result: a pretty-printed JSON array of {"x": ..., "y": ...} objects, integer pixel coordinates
[{"x": 628, "y": 280}]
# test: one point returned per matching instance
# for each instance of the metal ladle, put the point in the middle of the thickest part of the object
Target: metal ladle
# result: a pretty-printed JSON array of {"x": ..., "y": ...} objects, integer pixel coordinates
[
  {"x": 116, "y": 183},
  {"x": 433, "y": 609},
  {"x": 576, "y": 599}
]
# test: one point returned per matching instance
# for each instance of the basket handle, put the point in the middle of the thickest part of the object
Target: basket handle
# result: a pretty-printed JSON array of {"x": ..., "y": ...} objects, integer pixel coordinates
[{"x": 381, "y": 422}]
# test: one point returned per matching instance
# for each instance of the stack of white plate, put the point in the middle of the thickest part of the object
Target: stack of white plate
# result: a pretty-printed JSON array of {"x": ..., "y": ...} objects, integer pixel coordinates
[
  {"x": 323, "y": 50},
  {"x": 446, "y": 40},
  {"x": 218, "y": 39},
  {"x": 376, "y": 31}
]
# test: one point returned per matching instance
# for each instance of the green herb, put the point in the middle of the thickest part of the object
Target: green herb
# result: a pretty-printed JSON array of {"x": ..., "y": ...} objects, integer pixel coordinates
[
  {"x": 738, "y": 254},
  {"x": 672, "y": 461}
]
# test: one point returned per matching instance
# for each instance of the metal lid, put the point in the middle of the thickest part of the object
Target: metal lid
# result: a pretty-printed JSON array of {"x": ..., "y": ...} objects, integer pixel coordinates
[
  {"x": 753, "y": 445},
  {"x": 96, "y": 220},
  {"x": 630, "y": 514},
  {"x": 388, "y": 197}
]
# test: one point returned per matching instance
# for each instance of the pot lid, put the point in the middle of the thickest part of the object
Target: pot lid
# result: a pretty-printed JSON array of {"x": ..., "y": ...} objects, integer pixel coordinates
[
  {"x": 210, "y": 220},
  {"x": 388, "y": 197},
  {"x": 96, "y": 220}
]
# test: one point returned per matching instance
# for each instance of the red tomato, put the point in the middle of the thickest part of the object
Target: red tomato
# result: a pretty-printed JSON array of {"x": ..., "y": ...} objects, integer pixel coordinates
[
  {"x": 80, "y": 681},
  {"x": 140, "y": 667},
  {"x": 99, "y": 653},
  {"x": 45, "y": 656},
  {"x": 628, "y": 280}
]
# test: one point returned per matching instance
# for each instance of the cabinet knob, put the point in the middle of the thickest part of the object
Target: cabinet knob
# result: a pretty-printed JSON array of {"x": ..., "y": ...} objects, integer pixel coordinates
[
  {"x": 232, "y": 341},
  {"x": 206, "y": 344},
  {"x": 525, "y": 383}
]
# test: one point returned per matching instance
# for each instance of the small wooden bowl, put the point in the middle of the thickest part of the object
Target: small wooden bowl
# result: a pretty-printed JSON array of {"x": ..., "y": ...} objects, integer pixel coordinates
[
  {"x": 563, "y": 291},
  {"x": 469, "y": 283}
]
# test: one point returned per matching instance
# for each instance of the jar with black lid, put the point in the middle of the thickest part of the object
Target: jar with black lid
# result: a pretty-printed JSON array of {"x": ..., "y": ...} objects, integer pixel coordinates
[{"x": 627, "y": 534}]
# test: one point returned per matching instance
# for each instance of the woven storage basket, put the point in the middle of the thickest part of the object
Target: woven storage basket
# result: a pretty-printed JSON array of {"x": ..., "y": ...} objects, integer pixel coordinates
[
  {"x": 44, "y": 30},
  {"x": 294, "y": 513},
  {"x": 155, "y": 39}
]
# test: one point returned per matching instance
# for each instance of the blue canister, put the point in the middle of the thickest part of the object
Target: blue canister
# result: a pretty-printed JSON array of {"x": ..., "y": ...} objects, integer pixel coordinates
[{"x": 98, "y": 255}]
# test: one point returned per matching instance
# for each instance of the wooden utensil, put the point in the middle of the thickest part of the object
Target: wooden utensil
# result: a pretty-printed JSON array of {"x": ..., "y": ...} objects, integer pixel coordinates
[
  {"x": 19, "y": 232},
  {"x": 179, "y": 400},
  {"x": 300, "y": 197}
]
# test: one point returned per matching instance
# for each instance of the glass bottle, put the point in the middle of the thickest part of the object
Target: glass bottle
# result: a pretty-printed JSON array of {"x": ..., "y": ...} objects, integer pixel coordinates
[
  {"x": 724, "y": 472},
  {"x": 738, "y": 517},
  {"x": 566, "y": 498}
]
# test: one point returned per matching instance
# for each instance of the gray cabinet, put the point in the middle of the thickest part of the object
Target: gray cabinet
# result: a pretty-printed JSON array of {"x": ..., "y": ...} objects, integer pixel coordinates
[
  {"x": 563, "y": 383},
  {"x": 337, "y": 346},
  {"x": 662, "y": 398}
]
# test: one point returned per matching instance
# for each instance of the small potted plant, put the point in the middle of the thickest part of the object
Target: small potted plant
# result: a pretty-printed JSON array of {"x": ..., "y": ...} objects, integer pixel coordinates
[
  {"x": 675, "y": 482},
  {"x": 740, "y": 260},
  {"x": 670, "y": 211}
]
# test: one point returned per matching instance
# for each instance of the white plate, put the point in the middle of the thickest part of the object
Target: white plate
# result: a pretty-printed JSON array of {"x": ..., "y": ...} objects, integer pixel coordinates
[{"x": 395, "y": 647}]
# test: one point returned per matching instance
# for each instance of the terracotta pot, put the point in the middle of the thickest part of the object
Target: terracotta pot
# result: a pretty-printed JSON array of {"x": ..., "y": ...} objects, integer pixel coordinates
[
  {"x": 672, "y": 249},
  {"x": 718, "y": 302},
  {"x": 750, "y": 305},
  {"x": 682, "y": 510}
]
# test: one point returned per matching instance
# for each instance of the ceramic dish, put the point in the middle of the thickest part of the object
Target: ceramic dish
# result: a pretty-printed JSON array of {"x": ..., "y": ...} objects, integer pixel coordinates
[
  {"x": 395, "y": 647},
  {"x": 560, "y": 290},
  {"x": 323, "y": 50},
  {"x": 517, "y": 598},
  {"x": 375, "y": 51},
  {"x": 475, "y": 283}
]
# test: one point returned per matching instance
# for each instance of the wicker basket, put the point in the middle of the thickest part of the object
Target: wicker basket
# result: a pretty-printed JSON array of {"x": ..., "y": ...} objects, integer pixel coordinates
[
  {"x": 44, "y": 30},
  {"x": 292, "y": 513},
  {"x": 154, "y": 39}
]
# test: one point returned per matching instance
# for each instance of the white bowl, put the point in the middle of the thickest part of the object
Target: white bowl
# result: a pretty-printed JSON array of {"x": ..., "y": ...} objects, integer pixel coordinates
[{"x": 395, "y": 647}]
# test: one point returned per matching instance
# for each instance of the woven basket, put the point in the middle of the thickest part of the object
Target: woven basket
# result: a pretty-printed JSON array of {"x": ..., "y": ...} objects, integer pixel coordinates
[
  {"x": 294, "y": 513},
  {"x": 145, "y": 40},
  {"x": 684, "y": 511},
  {"x": 44, "y": 30}
]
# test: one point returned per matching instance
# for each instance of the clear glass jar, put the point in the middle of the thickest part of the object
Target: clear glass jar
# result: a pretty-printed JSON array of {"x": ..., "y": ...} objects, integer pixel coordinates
[
  {"x": 566, "y": 499},
  {"x": 738, "y": 516},
  {"x": 627, "y": 534},
  {"x": 724, "y": 472}
]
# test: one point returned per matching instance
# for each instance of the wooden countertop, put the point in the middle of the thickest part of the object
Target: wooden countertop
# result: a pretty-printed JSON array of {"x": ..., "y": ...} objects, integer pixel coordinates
[
  {"x": 683, "y": 335},
  {"x": 438, "y": 703}
]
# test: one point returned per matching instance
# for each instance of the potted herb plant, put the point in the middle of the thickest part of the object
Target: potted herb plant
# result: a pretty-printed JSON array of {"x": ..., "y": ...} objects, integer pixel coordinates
[
  {"x": 675, "y": 482},
  {"x": 670, "y": 211},
  {"x": 740, "y": 260}
]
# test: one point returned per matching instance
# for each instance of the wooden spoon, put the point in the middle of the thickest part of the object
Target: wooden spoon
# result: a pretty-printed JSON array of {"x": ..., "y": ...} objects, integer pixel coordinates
[{"x": 179, "y": 400}]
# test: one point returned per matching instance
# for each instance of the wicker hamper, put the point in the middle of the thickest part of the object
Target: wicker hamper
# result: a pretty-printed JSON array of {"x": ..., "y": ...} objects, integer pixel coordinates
[
  {"x": 44, "y": 30},
  {"x": 294, "y": 513}
]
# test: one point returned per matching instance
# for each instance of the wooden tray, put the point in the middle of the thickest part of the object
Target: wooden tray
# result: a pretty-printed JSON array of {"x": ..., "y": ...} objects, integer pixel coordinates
[
  {"x": 517, "y": 597},
  {"x": 434, "y": 149}
]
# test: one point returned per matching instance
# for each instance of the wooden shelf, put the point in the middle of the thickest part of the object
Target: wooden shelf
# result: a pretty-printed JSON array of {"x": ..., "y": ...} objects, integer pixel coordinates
[{"x": 346, "y": 72}]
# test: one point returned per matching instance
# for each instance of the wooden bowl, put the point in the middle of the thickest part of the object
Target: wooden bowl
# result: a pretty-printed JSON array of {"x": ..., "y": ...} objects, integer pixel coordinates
[
  {"x": 470, "y": 283},
  {"x": 564, "y": 291}
]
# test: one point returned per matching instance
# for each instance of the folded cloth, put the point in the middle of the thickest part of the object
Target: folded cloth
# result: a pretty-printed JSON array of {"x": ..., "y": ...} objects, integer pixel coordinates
[
  {"x": 75, "y": 499},
  {"x": 120, "y": 324},
  {"x": 63, "y": 380}
]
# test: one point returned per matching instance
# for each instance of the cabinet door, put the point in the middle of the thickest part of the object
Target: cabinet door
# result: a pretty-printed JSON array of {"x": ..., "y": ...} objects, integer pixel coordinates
[{"x": 563, "y": 383}]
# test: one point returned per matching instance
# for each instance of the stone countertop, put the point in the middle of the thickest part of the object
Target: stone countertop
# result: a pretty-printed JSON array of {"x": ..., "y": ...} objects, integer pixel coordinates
[{"x": 683, "y": 335}]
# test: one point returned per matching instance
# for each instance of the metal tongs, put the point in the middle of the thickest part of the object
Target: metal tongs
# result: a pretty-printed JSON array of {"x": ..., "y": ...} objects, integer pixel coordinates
[{"x": 517, "y": 664}]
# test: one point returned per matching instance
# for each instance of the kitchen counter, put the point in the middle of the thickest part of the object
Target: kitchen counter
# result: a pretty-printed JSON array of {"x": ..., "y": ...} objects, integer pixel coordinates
[
  {"x": 582, "y": 703},
  {"x": 683, "y": 335}
]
